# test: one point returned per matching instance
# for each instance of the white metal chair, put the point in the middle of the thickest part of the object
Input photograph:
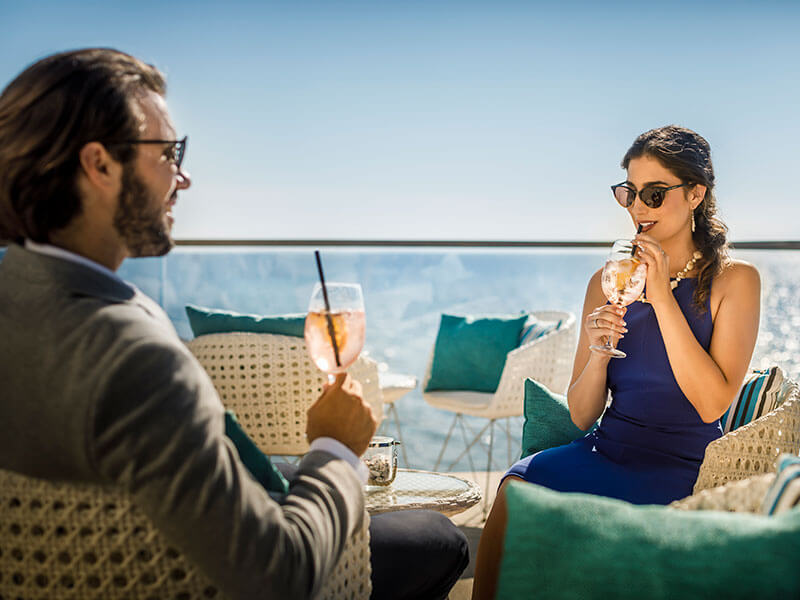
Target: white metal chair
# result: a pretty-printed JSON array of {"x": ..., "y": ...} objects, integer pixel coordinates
[
  {"x": 548, "y": 359},
  {"x": 393, "y": 387},
  {"x": 269, "y": 381}
]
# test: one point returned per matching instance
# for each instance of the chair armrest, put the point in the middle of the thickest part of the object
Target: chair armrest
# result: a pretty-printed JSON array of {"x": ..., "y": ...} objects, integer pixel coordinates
[
  {"x": 735, "y": 496},
  {"x": 752, "y": 448},
  {"x": 351, "y": 577}
]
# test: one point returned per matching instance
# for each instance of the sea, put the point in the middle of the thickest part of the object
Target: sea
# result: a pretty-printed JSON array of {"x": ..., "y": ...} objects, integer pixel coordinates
[{"x": 407, "y": 290}]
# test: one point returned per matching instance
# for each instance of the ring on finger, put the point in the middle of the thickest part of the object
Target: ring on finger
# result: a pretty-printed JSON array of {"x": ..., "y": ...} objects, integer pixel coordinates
[{"x": 596, "y": 326}]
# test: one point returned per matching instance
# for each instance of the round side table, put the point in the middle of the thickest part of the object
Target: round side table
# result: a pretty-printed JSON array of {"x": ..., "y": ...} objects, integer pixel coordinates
[{"x": 413, "y": 489}]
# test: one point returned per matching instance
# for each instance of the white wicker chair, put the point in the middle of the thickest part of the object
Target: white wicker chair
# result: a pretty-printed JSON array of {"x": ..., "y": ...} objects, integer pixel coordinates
[
  {"x": 86, "y": 542},
  {"x": 754, "y": 448},
  {"x": 744, "y": 495},
  {"x": 269, "y": 381},
  {"x": 547, "y": 359}
]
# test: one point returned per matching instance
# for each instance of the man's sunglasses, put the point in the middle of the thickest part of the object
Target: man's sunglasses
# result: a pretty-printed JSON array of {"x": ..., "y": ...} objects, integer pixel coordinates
[
  {"x": 652, "y": 196},
  {"x": 173, "y": 153}
]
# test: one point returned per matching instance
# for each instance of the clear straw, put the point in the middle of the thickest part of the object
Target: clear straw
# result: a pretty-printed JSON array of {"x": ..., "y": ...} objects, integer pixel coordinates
[{"x": 331, "y": 329}]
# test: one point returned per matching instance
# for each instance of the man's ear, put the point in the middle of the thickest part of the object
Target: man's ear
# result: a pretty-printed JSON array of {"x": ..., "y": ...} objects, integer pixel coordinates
[{"x": 99, "y": 168}]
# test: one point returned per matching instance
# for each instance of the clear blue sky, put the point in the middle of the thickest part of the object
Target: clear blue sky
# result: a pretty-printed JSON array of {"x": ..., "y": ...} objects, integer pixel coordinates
[{"x": 449, "y": 120}]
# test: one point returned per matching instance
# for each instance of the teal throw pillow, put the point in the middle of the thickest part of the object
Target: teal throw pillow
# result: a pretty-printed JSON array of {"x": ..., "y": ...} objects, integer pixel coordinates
[
  {"x": 211, "y": 320},
  {"x": 576, "y": 546},
  {"x": 259, "y": 465},
  {"x": 547, "y": 421},
  {"x": 470, "y": 353}
]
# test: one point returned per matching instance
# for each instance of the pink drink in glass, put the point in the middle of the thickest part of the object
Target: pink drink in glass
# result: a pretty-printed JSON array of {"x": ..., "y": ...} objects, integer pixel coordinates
[
  {"x": 623, "y": 280},
  {"x": 349, "y": 327}
]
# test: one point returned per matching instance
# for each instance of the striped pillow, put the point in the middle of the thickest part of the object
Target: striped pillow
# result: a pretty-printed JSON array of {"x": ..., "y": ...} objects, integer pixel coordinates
[
  {"x": 784, "y": 493},
  {"x": 759, "y": 395},
  {"x": 534, "y": 329}
]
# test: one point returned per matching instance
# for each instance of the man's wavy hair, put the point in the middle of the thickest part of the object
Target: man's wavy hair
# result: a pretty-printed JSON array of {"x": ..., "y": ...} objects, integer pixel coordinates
[
  {"x": 688, "y": 156},
  {"x": 47, "y": 114}
]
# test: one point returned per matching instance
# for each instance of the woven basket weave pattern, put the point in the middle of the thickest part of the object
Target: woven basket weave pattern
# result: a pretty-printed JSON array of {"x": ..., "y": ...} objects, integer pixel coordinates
[
  {"x": 269, "y": 382},
  {"x": 753, "y": 448},
  {"x": 735, "y": 496},
  {"x": 62, "y": 540},
  {"x": 85, "y": 542}
]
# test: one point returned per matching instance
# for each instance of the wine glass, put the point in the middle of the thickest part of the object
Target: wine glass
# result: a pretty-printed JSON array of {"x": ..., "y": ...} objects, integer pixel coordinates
[
  {"x": 623, "y": 281},
  {"x": 338, "y": 317}
]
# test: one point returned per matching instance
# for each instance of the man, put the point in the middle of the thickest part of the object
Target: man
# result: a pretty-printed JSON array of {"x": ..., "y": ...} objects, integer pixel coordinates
[{"x": 96, "y": 385}]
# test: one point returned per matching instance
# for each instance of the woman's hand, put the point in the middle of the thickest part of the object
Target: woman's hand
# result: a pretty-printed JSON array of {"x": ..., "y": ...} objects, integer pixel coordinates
[
  {"x": 651, "y": 254},
  {"x": 605, "y": 322}
]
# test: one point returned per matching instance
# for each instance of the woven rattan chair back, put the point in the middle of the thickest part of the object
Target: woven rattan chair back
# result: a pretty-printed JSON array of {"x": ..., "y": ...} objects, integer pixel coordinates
[
  {"x": 63, "y": 540},
  {"x": 85, "y": 542},
  {"x": 269, "y": 381},
  {"x": 754, "y": 448}
]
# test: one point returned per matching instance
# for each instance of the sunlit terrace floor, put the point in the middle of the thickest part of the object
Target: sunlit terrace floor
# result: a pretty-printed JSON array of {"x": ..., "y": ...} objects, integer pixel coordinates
[{"x": 471, "y": 523}]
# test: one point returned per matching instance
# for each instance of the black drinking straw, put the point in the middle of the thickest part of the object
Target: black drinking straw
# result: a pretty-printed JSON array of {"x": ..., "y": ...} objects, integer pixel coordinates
[
  {"x": 331, "y": 330},
  {"x": 638, "y": 231}
]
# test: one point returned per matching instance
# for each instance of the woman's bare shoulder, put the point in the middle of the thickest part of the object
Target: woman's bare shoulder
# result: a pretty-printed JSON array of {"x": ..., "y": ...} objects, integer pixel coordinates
[{"x": 737, "y": 276}]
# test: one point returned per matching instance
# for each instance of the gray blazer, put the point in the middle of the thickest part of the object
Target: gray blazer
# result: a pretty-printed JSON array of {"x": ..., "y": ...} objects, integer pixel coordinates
[{"x": 96, "y": 386}]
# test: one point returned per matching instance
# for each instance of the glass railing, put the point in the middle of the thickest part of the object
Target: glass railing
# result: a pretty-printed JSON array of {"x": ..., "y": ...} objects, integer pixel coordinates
[{"x": 407, "y": 289}]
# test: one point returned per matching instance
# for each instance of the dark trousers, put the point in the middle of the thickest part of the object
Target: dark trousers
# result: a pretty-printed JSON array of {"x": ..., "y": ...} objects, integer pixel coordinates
[{"x": 414, "y": 554}]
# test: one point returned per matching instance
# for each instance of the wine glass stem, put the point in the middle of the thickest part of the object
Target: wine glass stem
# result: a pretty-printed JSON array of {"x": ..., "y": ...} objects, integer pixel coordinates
[{"x": 608, "y": 337}]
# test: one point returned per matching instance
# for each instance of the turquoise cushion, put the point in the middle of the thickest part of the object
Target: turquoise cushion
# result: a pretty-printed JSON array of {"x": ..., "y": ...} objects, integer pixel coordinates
[
  {"x": 259, "y": 465},
  {"x": 470, "y": 353},
  {"x": 212, "y": 320},
  {"x": 578, "y": 546},
  {"x": 547, "y": 421}
]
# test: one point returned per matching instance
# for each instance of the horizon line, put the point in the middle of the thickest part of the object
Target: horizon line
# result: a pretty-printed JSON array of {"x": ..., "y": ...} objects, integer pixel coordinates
[
  {"x": 747, "y": 245},
  {"x": 742, "y": 245}
]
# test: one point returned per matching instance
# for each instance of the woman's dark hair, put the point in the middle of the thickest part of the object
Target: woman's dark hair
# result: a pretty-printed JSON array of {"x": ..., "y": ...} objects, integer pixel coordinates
[
  {"x": 47, "y": 114},
  {"x": 688, "y": 156}
]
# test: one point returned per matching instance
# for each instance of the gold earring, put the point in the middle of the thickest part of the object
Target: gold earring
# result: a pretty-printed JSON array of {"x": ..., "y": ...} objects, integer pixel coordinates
[{"x": 692, "y": 221}]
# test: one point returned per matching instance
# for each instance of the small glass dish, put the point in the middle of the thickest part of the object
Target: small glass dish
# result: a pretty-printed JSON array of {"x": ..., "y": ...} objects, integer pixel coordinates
[{"x": 381, "y": 460}]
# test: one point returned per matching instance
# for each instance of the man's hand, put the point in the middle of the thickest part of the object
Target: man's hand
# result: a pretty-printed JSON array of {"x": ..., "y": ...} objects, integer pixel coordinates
[{"x": 342, "y": 414}]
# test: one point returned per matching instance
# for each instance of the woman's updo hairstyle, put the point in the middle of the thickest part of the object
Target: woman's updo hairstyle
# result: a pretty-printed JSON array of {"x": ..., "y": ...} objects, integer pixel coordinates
[{"x": 688, "y": 156}]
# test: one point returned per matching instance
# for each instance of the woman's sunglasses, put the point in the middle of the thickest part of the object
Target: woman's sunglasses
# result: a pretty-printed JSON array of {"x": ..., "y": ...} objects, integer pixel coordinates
[{"x": 652, "y": 196}]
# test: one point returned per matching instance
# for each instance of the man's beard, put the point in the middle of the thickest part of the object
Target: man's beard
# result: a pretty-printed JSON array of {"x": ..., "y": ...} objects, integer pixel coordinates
[{"x": 143, "y": 229}]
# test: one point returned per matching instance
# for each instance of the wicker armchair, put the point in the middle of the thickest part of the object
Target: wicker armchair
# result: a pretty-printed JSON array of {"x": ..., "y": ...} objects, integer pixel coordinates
[
  {"x": 745, "y": 495},
  {"x": 547, "y": 359},
  {"x": 85, "y": 542},
  {"x": 753, "y": 448},
  {"x": 269, "y": 381}
]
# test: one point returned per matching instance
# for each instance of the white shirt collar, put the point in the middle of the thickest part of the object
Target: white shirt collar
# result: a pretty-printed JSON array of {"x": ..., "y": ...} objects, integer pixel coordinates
[{"x": 57, "y": 252}]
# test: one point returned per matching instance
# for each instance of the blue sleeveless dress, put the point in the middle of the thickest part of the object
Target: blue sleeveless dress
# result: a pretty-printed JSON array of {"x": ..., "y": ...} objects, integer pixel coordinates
[{"x": 651, "y": 441}]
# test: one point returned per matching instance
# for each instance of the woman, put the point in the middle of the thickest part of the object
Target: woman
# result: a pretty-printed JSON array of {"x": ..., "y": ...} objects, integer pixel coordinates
[{"x": 688, "y": 345}]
